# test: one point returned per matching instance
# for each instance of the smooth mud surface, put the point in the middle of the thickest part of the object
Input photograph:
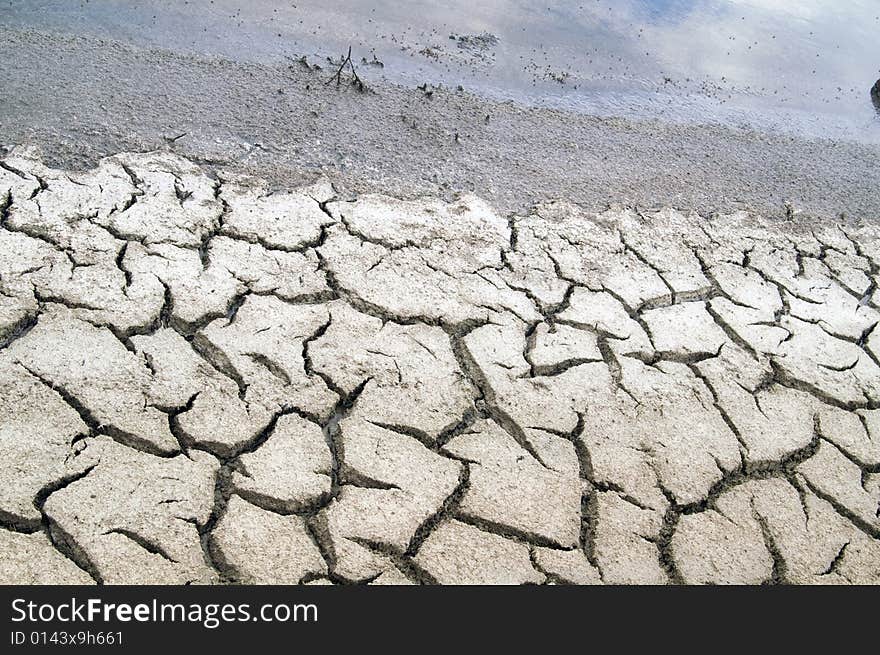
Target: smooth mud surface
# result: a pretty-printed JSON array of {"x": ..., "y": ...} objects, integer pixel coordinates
[
  {"x": 712, "y": 106},
  {"x": 208, "y": 381}
]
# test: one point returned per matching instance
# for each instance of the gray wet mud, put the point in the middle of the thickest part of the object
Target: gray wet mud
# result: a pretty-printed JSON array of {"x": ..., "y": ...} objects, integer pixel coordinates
[
  {"x": 802, "y": 67},
  {"x": 719, "y": 106},
  {"x": 207, "y": 379}
]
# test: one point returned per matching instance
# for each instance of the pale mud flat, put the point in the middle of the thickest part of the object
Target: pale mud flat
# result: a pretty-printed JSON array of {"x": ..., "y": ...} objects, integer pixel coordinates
[{"x": 210, "y": 380}]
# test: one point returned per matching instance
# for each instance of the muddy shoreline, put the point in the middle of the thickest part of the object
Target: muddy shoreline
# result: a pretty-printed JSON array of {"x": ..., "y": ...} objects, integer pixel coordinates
[{"x": 79, "y": 98}]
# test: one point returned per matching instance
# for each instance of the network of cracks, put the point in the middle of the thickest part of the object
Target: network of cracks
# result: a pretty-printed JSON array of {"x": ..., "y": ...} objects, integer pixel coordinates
[{"x": 209, "y": 380}]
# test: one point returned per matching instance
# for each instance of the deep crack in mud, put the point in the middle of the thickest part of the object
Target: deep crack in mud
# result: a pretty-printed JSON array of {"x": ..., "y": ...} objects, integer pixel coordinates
[{"x": 208, "y": 381}]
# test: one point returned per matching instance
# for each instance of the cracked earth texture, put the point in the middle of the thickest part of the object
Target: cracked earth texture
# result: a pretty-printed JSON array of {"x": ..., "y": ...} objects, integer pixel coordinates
[{"x": 205, "y": 380}]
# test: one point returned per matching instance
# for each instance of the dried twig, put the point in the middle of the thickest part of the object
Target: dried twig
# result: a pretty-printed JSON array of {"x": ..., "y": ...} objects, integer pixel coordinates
[{"x": 356, "y": 81}]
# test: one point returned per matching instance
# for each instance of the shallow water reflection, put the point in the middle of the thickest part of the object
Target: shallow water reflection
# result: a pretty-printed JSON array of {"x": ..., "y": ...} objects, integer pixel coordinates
[{"x": 802, "y": 66}]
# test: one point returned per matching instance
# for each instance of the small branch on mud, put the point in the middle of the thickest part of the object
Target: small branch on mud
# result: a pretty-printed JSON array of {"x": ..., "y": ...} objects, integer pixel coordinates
[
  {"x": 173, "y": 139},
  {"x": 355, "y": 80}
]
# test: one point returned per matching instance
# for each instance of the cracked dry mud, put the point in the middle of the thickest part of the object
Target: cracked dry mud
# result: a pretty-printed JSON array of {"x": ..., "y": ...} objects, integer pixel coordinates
[{"x": 205, "y": 380}]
